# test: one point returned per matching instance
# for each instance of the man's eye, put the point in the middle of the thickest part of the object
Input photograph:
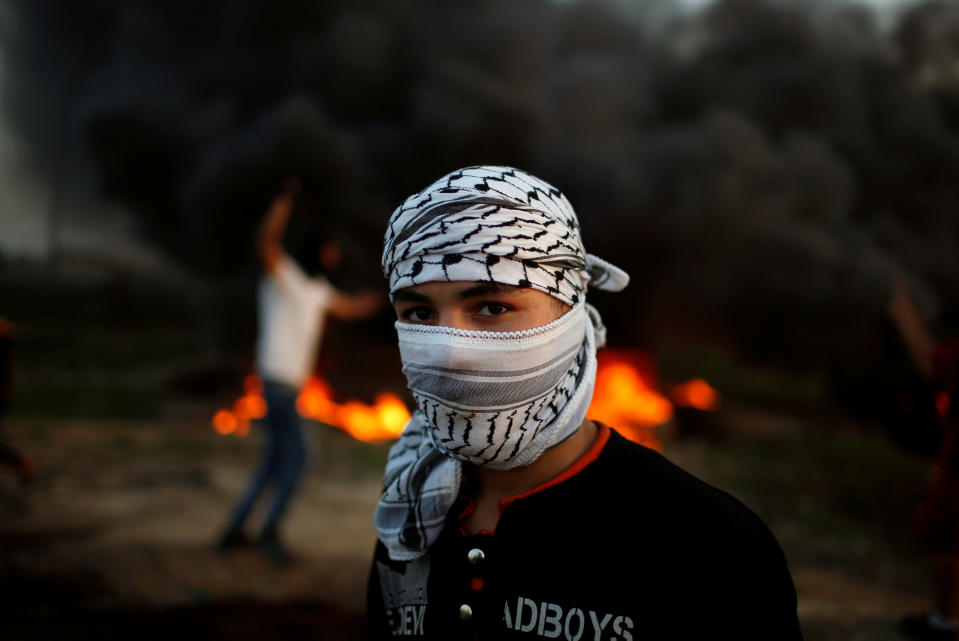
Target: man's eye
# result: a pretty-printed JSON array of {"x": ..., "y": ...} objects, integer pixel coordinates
[
  {"x": 492, "y": 309},
  {"x": 417, "y": 315}
]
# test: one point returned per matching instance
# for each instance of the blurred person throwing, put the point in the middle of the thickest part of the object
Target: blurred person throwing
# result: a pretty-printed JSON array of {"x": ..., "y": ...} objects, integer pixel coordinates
[
  {"x": 935, "y": 521},
  {"x": 505, "y": 513},
  {"x": 292, "y": 311}
]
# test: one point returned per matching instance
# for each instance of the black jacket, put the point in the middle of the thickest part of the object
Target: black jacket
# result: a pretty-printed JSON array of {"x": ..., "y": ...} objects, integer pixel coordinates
[{"x": 631, "y": 547}]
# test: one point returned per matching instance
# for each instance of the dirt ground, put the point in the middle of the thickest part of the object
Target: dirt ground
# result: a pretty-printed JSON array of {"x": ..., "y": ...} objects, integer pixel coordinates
[
  {"x": 119, "y": 525},
  {"x": 114, "y": 538}
]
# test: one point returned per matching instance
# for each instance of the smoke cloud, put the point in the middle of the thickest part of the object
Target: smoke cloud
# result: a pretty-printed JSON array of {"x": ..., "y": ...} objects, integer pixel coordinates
[{"x": 761, "y": 167}]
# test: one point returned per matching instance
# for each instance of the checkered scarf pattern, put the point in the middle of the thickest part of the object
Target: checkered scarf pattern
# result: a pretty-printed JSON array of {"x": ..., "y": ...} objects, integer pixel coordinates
[{"x": 495, "y": 224}]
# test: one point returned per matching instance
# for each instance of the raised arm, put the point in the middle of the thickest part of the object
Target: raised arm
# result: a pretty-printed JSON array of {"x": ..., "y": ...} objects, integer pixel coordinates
[
  {"x": 269, "y": 240},
  {"x": 355, "y": 307},
  {"x": 917, "y": 338}
]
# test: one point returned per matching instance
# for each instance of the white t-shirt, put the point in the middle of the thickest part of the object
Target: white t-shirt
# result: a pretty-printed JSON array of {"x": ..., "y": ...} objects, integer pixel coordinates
[{"x": 292, "y": 308}]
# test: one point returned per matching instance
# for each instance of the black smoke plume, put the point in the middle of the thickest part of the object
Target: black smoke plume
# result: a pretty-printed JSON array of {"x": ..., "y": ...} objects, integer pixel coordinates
[{"x": 760, "y": 167}]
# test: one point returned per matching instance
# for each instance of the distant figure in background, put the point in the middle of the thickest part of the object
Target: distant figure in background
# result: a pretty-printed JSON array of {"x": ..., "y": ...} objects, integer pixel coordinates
[
  {"x": 292, "y": 311},
  {"x": 9, "y": 457},
  {"x": 935, "y": 520}
]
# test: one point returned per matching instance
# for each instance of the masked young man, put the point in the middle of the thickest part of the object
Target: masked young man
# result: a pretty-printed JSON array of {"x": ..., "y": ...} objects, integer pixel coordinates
[{"x": 506, "y": 513}]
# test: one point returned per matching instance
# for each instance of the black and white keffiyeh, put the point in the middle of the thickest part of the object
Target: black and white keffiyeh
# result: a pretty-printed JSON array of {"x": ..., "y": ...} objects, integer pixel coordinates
[
  {"x": 515, "y": 393},
  {"x": 495, "y": 224}
]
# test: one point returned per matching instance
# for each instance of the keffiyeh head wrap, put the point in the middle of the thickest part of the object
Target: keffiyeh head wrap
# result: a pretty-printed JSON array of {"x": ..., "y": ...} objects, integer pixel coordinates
[
  {"x": 487, "y": 224},
  {"x": 495, "y": 224}
]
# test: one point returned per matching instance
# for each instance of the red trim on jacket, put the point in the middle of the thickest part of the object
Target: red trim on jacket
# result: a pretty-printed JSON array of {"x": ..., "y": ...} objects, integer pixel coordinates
[{"x": 590, "y": 455}]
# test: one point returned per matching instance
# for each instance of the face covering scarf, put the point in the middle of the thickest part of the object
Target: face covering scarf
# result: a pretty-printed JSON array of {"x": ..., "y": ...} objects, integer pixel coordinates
[{"x": 497, "y": 399}]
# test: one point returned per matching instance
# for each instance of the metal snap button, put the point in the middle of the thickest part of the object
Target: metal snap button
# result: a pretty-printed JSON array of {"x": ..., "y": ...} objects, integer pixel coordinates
[{"x": 476, "y": 556}]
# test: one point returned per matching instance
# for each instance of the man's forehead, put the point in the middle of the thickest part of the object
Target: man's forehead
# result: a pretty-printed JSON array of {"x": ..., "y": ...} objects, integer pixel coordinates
[{"x": 458, "y": 289}]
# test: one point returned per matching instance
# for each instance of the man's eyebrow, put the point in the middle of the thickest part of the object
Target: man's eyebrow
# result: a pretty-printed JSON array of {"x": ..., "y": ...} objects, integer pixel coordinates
[
  {"x": 409, "y": 296},
  {"x": 486, "y": 289}
]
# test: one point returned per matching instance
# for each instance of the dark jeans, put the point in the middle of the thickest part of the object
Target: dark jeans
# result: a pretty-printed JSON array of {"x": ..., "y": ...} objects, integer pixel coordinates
[{"x": 283, "y": 461}]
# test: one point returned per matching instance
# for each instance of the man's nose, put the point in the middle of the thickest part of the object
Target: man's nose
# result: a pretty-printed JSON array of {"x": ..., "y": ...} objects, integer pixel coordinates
[{"x": 455, "y": 318}]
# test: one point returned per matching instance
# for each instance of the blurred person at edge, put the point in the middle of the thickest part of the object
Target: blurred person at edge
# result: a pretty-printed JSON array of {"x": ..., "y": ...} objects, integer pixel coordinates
[
  {"x": 505, "y": 513},
  {"x": 9, "y": 457},
  {"x": 292, "y": 307},
  {"x": 935, "y": 521}
]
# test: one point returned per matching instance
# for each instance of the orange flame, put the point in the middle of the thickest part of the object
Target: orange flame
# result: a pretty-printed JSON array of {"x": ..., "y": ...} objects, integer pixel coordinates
[
  {"x": 251, "y": 405},
  {"x": 696, "y": 394},
  {"x": 625, "y": 397},
  {"x": 382, "y": 421},
  {"x": 224, "y": 422}
]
